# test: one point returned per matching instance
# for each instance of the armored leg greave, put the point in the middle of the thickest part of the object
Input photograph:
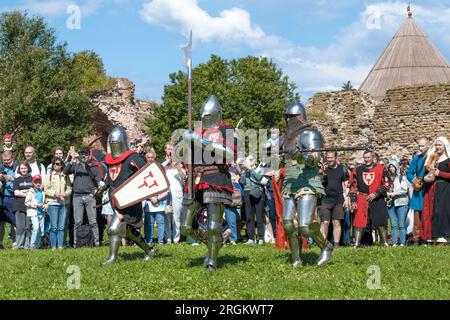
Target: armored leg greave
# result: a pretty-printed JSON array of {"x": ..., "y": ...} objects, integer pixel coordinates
[
  {"x": 116, "y": 231},
  {"x": 306, "y": 206},
  {"x": 358, "y": 235},
  {"x": 215, "y": 213},
  {"x": 187, "y": 214},
  {"x": 135, "y": 236},
  {"x": 383, "y": 236},
  {"x": 291, "y": 230}
]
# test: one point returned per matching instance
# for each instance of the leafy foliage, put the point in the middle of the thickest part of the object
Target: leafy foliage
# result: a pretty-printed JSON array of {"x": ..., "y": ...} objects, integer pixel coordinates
[
  {"x": 44, "y": 90},
  {"x": 250, "y": 88},
  {"x": 347, "y": 86}
]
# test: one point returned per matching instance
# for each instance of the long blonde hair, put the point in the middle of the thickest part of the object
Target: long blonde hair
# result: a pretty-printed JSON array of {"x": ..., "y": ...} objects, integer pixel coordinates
[{"x": 432, "y": 156}]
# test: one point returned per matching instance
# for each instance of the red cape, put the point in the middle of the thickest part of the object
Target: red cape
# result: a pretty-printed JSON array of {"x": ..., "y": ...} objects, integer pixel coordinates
[{"x": 282, "y": 242}]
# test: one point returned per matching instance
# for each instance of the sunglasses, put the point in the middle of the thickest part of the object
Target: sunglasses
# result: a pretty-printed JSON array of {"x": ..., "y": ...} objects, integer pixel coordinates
[{"x": 57, "y": 164}]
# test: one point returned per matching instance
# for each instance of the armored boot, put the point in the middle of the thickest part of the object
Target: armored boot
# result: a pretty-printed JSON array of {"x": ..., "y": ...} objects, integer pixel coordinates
[
  {"x": 383, "y": 236},
  {"x": 358, "y": 236},
  {"x": 116, "y": 231},
  {"x": 215, "y": 213},
  {"x": 135, "y": 236},
  {"x": 114, "y": 244},
  {"x": 295, "y": 245},
  {"x": 326, "y": 247}
]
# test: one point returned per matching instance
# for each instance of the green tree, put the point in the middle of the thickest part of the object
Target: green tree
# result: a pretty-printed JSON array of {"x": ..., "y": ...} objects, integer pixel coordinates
[
  {"x": 347, "y": 86},
  {"x": 250, "y": 88},
  {"x": 44, "y": 89},
  {"x": 90, "y": 66}
]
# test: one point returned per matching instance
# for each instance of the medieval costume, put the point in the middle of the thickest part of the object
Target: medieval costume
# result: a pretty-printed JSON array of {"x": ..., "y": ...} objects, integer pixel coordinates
[
  {"x": 123, "y": 163},
  {"x": 212, "y": 186},
  {"x": 302, "y": 184},
  {"x": 436, "y": 206},
  {"x": 371, "y": 179},
  {"x": 415, "y": 173}
]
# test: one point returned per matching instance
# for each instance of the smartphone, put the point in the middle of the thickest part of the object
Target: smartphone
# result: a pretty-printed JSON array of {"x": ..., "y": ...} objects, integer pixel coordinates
[{"x": 4, "y": 172}]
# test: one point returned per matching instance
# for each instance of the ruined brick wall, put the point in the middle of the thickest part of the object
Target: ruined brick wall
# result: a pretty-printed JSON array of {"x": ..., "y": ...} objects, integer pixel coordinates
[
  {"x": 117, "y": 106},
  {"x": 394, "y": 125}
]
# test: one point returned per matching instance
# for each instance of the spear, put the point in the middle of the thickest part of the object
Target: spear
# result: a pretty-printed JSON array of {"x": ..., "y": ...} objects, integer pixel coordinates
[{"x": 188, "y": 61}]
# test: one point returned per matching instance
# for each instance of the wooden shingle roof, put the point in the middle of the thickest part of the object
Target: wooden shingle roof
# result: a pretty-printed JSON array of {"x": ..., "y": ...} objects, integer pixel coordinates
[{"x": 409, "y": 59}]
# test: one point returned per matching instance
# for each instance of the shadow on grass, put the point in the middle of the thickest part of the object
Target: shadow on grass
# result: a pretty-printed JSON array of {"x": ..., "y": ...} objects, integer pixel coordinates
[
  {"x": 308, "y": 258},
  {"x": 140, "y": 256},
  {"x": 222, "y": 260}
]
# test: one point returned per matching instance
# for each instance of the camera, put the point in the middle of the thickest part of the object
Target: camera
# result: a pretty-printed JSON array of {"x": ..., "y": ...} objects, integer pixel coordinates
[{"x": 81, "y": 159}]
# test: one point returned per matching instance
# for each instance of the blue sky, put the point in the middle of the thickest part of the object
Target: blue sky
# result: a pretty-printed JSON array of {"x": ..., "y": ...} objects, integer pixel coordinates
[{"x": 318, "y": 44}]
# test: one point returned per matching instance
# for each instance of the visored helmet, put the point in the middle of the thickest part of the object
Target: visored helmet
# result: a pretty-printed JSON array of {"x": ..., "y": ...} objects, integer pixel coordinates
[
  {"x": 296, "y": 109},
  {"x": 211, "y": 113},
  {"x": 118, "y": 142}
]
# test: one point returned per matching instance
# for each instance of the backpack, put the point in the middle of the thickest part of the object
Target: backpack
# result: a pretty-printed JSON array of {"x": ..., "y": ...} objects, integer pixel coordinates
[{"x": 85, "y": 238}]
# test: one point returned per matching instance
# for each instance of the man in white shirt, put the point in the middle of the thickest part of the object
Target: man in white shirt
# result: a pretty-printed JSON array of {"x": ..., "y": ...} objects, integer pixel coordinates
[{"x": 37, "y": 168}]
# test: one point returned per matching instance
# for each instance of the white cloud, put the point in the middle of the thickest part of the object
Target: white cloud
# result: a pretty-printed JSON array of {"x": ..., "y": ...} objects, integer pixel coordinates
[
  {"x": 349, "y": 57},
  {"x": 183, "y": 15},
  {"x": 54, "y": 8},
  {"x": 47, "y": 8}
]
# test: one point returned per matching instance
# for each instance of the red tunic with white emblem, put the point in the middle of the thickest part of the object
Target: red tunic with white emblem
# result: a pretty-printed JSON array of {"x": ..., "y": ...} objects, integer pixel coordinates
[{"x": 370, "y": 179}]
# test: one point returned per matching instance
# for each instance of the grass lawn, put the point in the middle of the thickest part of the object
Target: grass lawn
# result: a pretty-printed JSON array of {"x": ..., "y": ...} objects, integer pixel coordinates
[{"x": 256, "y": 272}]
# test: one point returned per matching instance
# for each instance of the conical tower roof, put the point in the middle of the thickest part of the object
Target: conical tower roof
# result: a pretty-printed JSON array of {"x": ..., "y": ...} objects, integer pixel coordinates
[{"x": 410, "y": 58}]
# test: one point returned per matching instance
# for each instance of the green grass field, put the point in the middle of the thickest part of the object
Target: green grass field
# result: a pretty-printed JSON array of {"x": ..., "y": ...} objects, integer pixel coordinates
[{"x": 257, "y": 272}]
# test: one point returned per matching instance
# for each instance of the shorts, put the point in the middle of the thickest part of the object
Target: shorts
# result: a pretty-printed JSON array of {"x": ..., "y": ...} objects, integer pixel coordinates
[{"x": 331, "y": 211}]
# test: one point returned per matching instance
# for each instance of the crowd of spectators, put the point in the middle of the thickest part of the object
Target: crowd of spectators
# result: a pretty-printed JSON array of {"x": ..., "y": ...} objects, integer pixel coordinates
[{"x": 58, "y": 206}]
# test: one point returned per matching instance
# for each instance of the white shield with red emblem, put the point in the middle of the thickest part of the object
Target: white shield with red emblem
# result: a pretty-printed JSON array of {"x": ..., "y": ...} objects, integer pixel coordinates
[
  {"x": 148, "y": 182},
  {"x": 368, "y": 177}
]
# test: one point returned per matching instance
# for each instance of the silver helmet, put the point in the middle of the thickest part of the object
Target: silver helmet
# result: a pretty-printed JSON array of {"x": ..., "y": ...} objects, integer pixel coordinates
[
  {"x": 211, "y": 113},
  {"x": 296, "y": 109},
  {"x": 118, "y": 142},
  {"x": 311, "y": 139}
]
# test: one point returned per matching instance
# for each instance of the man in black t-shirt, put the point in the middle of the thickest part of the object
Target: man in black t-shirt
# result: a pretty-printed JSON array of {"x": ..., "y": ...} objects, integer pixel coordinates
[{"x": 334, "y": 175}]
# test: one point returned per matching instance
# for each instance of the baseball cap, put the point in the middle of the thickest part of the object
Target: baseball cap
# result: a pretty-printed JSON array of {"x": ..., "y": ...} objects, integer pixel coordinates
[{"x": 37, "y": 178}]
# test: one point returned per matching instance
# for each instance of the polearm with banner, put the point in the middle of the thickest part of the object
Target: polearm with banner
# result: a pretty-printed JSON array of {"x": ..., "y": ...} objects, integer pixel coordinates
[{"x": 188, "y": 61}]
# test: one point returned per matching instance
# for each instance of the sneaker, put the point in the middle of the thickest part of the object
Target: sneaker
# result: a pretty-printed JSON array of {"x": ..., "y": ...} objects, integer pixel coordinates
[
  {"x": 169, "y": 241},
  {"x": 261, "y": 242},
  {"x": 402, "y": 245},
  {"x": 250, "y": 241},
  {"x": 394, "y": 245},
  {"x": 233, "y": 243},
  {"x": 195, "y": 244}
]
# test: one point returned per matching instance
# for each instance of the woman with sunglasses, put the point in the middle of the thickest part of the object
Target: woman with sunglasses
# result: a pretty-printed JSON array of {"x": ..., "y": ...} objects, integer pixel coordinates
[{"x": 57, "y": 189}]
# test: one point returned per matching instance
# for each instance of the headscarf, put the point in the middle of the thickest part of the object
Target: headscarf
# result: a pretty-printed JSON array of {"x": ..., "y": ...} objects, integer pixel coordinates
[{"x": 432, "y": 149}]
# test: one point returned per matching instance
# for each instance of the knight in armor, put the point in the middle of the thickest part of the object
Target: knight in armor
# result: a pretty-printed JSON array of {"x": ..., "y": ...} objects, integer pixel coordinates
[
  {"x": 212, "y": 186},
  {"x": 302, "y": 184},
  {"x": 123, "y": 163}
]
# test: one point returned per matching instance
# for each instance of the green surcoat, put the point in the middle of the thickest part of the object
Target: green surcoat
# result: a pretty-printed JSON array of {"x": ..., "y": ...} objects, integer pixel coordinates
[{"x": 299, "y": 176}]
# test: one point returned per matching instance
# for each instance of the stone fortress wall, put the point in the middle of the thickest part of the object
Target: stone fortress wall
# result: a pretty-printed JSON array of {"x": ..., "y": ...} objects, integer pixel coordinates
[{"x": 393, "y": 125}]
